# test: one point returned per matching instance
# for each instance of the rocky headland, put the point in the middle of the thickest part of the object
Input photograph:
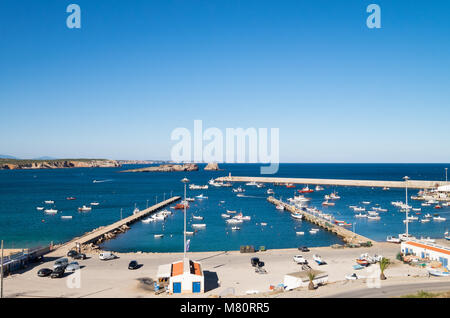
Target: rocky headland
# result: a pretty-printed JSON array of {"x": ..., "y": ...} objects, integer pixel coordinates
[
  {"x": 212, "y": 166},
  {"x": 167, "y": 168},
  {"x": 12, "y": 164}
]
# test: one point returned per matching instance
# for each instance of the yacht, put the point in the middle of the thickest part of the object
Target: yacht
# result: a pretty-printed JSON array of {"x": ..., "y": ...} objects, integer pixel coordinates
[
  {"x": 158, "y": 235},
  {"x": 190, "y": 199},
  {"x": 406, "y": 237},
  {"x": 95, "y": 203},
  {"x": 297, "y": 216},
  {"x": 51, "y": 211},
  {"x": 318, "y": 188},
  {"x": 226, "y": 216},
  {"x": 424, "y": 220},
  {"x": 49, "y": 202},
  {"x": 280, "y": 207},
  {"x": 370, "y": 217},
  {"x": 84, "y": 209},
  {"x": 300, "y": 233},
  {"x": 66, "y": 217},
  {"x": 189, "y": 233},
  {"x": 199, "y": 225},
  {"x": 242, "y": 217},
  {"x": 40, "y": 208},
  {"x": 198, "y": 187},
  {"x": 439, "y": 218}
]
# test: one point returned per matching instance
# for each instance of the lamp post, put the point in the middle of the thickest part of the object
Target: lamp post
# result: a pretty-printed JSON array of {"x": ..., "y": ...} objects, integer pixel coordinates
[
  {"x": 185, "y": 181},
  {"x": 406, "y": 178},
  {"x": 446, "y": 180}
]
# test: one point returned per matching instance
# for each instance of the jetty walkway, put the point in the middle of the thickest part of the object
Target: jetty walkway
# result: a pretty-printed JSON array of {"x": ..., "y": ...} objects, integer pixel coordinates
[
  {"x": 96, "y": 234},
  {"x": 346, "y": 235},
  {"x": 412, "y": 184}
]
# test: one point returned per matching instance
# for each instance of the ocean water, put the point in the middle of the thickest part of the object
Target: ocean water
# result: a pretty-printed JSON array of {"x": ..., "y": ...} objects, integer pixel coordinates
[{"x": 21, "y": 191}]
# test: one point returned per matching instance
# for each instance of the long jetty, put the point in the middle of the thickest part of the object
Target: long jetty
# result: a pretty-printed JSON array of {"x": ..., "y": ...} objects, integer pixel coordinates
[
  {"x": 413, "y": 184},
  {"x": 346, "y": 235},
  {"x": 96, "y": 234}
]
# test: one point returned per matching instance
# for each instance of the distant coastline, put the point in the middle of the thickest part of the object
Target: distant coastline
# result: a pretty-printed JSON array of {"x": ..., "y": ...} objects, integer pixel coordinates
[{"x": 18, "y": 164}]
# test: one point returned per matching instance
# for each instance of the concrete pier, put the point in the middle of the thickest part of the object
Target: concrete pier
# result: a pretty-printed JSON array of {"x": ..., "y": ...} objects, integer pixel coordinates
[
  {"x": 93, "y": 236},
  {"x": 346, "y": 235},
  {"x": 412, "y": 184}
]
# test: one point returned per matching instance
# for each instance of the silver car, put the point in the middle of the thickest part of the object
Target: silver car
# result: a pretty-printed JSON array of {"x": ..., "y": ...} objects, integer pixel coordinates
[{"x": 72, "y": 267}]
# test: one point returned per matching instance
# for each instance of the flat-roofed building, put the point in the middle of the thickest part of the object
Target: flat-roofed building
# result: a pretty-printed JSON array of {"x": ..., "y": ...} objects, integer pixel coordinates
[{"x": 429, "y": 251}]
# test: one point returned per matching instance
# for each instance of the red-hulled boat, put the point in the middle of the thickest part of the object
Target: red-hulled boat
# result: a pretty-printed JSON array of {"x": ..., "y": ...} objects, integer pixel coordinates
[
  {"x": 70, "y": 198},
  {"x": 306, "y": 190},
  {"x": 180, "y": 206}
]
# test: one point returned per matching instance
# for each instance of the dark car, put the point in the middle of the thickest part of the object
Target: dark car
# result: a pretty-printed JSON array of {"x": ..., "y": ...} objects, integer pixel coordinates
[
  {"x": 303, "y": 249},
  {"x": 133, "y": 265},
  {"x": 58, "y": 272},
  {"x": 72, "y": 253},
  {"x": 79, "y": 256},
  {"x": 260, "y": 264},
  {"x": 254, "y": 261},
  {"x": 44, "y": 272}
]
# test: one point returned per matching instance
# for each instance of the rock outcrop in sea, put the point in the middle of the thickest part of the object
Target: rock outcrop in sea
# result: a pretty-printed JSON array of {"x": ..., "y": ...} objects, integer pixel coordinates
[
  {"x": 212, "y": 166},
  {"x": 167, "y": 168}
]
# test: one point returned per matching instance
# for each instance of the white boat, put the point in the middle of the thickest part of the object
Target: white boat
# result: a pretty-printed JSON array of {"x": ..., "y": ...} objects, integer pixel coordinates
[
  {"x": 425, "y": 204},
  {"x": 198, "y": 187},
  {"x": 297, "y": 216},
  {"x": 300, "y": 233},
  {"x": 280, "y": 207},
  {"x": 199, "y": 225},
  {"x": 318, "y": 259},
  {"x": 95, "y": 203},
  {"x": 393, "y": 239},
  {"x": 197, "y": 217},
  {"x": 158, "y": 235},
  {"x": 263, "y": 224},
  {"x": 406, "y": 237},
  {"x": 428, "y": 239},
  {"x": 366, "y": 202},
  {"x": 327, "y": 203},
  {"x": 189, "y": 233},
  {"x": 424, "y": 220},
  {"x": 370, "y": 217},
  {"x": 318, "y": 188},
  {"x": 85, "y": 208},
  {"x": 231, "y": 211},
  {"x": 313, "y": 231},
  {"x": 190, "y": 199},
  {"x": 40, "y": 208},
  {"x": 49, "y": 202},
  {"x": 417, "y": 209},
  {"x": 334, "y": 196},
  {"x": 437, "y": 272},
  {"x": 159, "y": 217},
  {"x": 385, "y": 189},
  {"x": 298, "y": 199},
  {"x": 148, "y": 220},
  {"x": 136, "y": 210},
  {"x": 51, "y": 211},
  {"x": 66, "y": 217},
  {"x": 226, "y": 216},
  {"x": 253, "y": 183},
  {"x": 270, "y": 191},
  {"x": 242, "y": 217},
  {"x": 358, "y": 209},
  {"x": 372, "y": 213},
  {"x": 201, "y": 196},
  {"x": 234, "y": 221},
  {"x": 412, "y": 218},
  {"x": 439, "y": 218},
  {"x": 359, "y": 215},
  {"x": 428, "y": 216},
  {"x": 238, "y": 190},
  {"x": 235, "y": 228}
]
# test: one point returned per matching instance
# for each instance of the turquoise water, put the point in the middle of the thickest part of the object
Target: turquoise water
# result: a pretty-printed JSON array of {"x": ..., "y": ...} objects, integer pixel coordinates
[{"x": 21, "y": 191}]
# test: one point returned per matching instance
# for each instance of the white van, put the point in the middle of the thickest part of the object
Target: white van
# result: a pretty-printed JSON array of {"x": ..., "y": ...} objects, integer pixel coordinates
[{"x": 106, "y": 256}]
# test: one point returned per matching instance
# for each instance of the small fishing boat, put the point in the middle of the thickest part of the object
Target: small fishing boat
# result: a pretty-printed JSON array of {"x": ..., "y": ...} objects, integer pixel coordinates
[
  {"x": 226, "y": 216},
  {"x": 84, "y": 209},
  {"x": 51, "y": 211},
  {"x": 158, "y": 235},
  {"x": 180, "y": 206},
  {"x": 439, "y": 218},
  {"x": 313, "y": 231},
  {"x": 437, "y": 272},
  {"x": 300, "y": 233},
  {"x": 358, "y": 209},
  {"x": 239, "y": 190},
  {"x": 372, "y": 213},
  {"x": 242, "y": 217},
  {"x": 386, "y": 189},
  {"x": 252, "y": 183},
  {"x": 197, "y": 217},
  {"x": 95, "y": 203},
  {"x": 318, "y": 259},
  {"x": 428, "y": 216},
  {"x": 306, "y": 190},
  {"x": 231, "y": 211},
  {"x": 263, "y": 224},
  {"x": 334, "y": 196},
  {"x": 425, "y": 204},
  {"x": 39, "y": 208},
  {"x": 366, "y": 202},
  {"x": 290, "y": 185},
  {"x": 49, "y": 202},
  {"x": 280, "y": 207},
  {"x": 437, "y": 206},
  {"x": 148, "y": 220},
  {"x": 234, "y": 221},
  {"x": 327, "y": 203},
  {"x": 362, "y": 262},
  {"x": 370, "y": 217},
  {"x": 201, "y": 196},
  {"x": 270, "y": 191},
  {"x": 359, "y": 215},
  {"x": 393, "y": 239},
  {"x": 66, "y": 217},
  {"x": 199, "y": 225},
  {"x": 417, "y": 209},
  {"x": 190, "y": 199},
  {"x": 358, "y": 267},
  {"x": 424, "y": 220},
  {"x": 318, "y": 188},
  {"x": 189, "y": 233},
  {"x": 297, "y": 216},
  {"x": 235, "y": 228},
  {"x": 70, "y": 198}
]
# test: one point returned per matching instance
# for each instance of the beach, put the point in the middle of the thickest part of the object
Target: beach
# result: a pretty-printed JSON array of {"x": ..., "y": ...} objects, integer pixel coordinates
[{"x": 225, "y": 272}]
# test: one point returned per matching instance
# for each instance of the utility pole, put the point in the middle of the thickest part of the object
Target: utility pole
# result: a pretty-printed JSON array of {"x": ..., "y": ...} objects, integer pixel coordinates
[
  {"x": 147, "y": 204},
  {"x": 156, "y": 199},
  {"x": 406, "y": 178},
  {"x": 1, "y": 288},
  {"x": 185, "y": 181},
  {"x": 446, "y": 180},
  {"x": 121, "y": 213},
  {"x": 164, "y": 196}
]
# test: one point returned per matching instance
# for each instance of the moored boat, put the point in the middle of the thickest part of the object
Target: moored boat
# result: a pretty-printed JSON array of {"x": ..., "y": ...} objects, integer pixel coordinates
[{"x": 84, "y": 209}]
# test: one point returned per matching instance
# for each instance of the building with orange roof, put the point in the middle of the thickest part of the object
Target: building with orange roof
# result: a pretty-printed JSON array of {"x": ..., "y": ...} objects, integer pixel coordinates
[
  {"x": 183, "y": 277},
  {"x": 425, "y": 250}
]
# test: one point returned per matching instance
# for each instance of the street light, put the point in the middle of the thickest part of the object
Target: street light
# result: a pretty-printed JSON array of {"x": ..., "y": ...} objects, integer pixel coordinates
[
  {"x": 406, "y": 178},
  {"x": 185, "y": 181},
  {"x": 446, "y": 180}
]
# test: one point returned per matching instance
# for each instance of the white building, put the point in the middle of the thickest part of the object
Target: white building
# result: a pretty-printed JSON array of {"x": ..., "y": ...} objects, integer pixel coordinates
[
  {"x": 301, "y": 279},
  {"x": 427, "y": 251},
  {"x": 183, "y": 277}
]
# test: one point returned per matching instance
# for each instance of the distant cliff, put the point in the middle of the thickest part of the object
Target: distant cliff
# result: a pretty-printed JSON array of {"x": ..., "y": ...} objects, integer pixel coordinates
[
  {"x": 11, "y": 164},
  {"x": 167, "y": 168}
]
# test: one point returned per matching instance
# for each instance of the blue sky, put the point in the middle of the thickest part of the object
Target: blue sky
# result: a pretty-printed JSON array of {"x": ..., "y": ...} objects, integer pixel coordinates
[{"x": 117, "y": 87}]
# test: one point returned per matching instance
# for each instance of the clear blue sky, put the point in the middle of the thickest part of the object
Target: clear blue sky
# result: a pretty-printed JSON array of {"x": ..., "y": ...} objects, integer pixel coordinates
[{"x": 116, "y": 88}]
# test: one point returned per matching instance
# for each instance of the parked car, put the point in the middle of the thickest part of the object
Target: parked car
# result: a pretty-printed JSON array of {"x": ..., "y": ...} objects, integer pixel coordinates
[
  {"x": 44, "y": 272},
  {"x": 133, "y": 265},
  {"x": 106, "y": 256},
  {"x": 80, "y": 256},
  {"x": 72, "y": 267},
  {"x": 71, "y": 253},
  {"x": 61, "y": 262},
  {"x": 58, "y": 272},
  {"x": 299, "y": 259},
  {"x": 254, "y": 261},
  {"x": 303, "y": 249}
]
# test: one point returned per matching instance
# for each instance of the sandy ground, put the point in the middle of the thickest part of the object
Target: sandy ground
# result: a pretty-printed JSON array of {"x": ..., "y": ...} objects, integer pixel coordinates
[
  {"x": 10, "y": 251},
  {"x": 232, "y": 269}
]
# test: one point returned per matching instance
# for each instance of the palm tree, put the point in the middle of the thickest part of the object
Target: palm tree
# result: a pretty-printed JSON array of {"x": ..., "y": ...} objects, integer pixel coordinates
[
  {"x": 384, "y": 263},
  {"x": 311, "y": 276}
]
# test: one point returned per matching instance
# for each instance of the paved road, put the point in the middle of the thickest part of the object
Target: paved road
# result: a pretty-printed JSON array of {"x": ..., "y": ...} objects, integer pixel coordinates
[{"x": 395, "y": 290}]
